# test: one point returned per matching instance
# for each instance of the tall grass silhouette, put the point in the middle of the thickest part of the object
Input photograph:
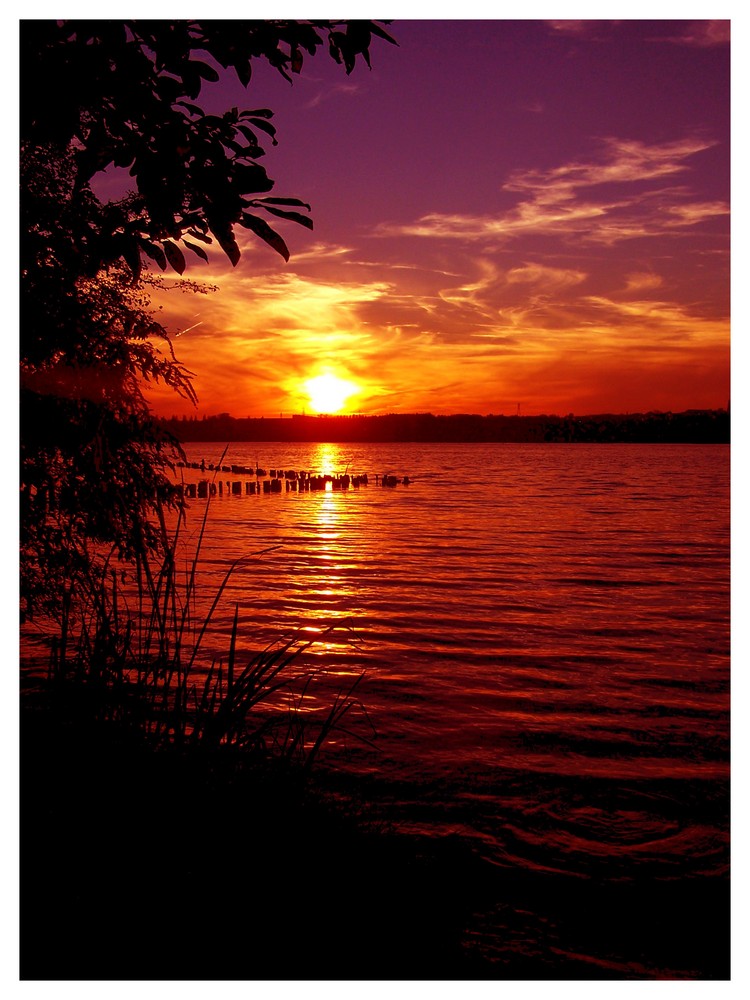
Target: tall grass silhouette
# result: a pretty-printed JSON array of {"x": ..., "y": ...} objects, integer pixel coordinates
[{"x": 131, "y": 650}]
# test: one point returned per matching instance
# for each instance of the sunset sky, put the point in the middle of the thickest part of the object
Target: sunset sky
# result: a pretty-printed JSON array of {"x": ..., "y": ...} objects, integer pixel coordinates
[{"x": 507, "y": 213}]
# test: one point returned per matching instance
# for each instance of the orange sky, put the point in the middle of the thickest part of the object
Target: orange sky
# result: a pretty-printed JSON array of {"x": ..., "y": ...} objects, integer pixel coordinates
[{"x": 506, "y": 213}]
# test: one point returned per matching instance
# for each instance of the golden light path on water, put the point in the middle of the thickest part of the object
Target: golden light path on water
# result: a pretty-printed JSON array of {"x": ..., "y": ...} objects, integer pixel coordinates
[{"x": 329, "y": 532}]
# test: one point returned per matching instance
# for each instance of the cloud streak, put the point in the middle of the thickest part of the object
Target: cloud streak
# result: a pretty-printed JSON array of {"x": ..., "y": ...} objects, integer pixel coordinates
[
  {"x": 703, "y": 34},
  {"x": 572, "y": 200}
]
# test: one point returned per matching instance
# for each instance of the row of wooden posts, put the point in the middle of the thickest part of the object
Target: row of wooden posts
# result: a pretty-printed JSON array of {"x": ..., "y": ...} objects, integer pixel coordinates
[
  {"x": 245, "y": 470},
  {"x": 289, "y": 480},
  {"x": 276, "y": 481},
  {"x": 300, "y": 483}
]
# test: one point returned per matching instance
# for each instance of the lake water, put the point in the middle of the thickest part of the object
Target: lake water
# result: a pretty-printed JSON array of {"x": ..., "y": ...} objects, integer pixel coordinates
[{"x": 544, "y": 636}]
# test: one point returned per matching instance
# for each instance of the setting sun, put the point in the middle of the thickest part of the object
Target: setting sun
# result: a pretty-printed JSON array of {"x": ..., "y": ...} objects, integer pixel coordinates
[{"x": 328, "y": 393}]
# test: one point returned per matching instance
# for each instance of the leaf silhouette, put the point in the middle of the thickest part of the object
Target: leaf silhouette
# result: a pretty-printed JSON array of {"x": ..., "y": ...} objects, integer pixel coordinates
[
  {"x": 196, "y": 249},
  {"x": 262, "y": 229},
  {"x": 303, "y": 220},
  {"x": 175, "y": 256},
  {"x": 155, "y": 253}
]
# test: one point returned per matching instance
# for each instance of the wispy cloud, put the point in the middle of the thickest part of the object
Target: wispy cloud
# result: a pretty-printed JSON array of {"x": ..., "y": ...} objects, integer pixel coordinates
[
  {"x": 570, "y": 27},
  {"x": 698, "y": 34},
  {"x": 330, "y": 91},
  {"x": 623, "y": 161},
  {"x": 320, "y": 252},
  {"x": 694, "y": 213},
  {"x": 703, "y": 34},
  {"x": 580, "y": 29},
  {"x": 641, "y": 281},
  {"x": 577, "y": 199},
  {"x": 550, "y": 277}
]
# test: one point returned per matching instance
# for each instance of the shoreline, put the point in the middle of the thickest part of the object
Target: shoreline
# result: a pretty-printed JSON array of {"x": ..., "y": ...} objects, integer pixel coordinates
[{"x": 689, "y": 427}]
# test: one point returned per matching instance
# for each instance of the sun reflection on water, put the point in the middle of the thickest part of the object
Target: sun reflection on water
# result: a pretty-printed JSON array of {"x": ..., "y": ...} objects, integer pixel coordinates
[
  {"x": 328, "y": 516},
  {"x": 328, "y": 590},
  {"x": 327, "y": 460}
]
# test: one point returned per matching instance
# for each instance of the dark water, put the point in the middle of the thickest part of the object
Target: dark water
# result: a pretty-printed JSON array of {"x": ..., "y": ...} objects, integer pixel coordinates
[{"x": 544, "y": 632}]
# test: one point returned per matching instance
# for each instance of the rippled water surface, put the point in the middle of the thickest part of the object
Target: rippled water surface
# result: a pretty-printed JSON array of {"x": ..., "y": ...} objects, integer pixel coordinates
[{"x": 544, "y": 632}]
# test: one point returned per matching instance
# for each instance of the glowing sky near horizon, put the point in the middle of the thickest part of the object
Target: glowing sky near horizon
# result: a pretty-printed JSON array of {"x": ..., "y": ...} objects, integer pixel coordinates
[{"x": 506, "y": 212}]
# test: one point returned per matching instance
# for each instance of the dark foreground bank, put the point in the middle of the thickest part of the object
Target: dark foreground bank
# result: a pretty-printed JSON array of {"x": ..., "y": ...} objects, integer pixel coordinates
[{"x": 143, "y": 865}]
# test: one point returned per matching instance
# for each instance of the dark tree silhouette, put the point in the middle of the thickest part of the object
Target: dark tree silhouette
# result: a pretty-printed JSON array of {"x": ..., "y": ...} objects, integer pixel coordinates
[{"x": 121, "y": 96}]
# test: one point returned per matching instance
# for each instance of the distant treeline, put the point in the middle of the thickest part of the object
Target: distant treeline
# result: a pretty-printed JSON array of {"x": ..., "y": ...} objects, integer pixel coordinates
[{"x": 690, "y": 427}]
